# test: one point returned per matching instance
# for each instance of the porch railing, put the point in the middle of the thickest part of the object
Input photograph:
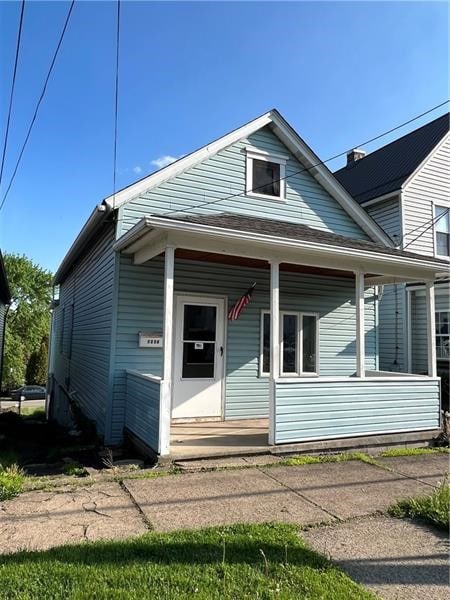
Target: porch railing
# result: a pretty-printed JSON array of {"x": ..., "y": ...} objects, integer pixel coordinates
[
  {"x": 142, "y": 407},
  {"x": 346, "y": 407}
]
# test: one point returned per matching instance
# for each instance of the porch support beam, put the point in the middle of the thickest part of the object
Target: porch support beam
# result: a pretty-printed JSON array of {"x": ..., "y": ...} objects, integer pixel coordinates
[
  {"x": 360, "y": 325},
  {"x": 166, "y": 383},
  {"x": 431, "y": 329},
  {"x": 274, "y": 343}
]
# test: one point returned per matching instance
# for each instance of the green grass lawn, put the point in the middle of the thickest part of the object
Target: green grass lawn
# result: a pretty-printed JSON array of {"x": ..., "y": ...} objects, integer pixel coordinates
[
  {"x": 244, "y": 561},
  {"x": 434, "y": 508}
]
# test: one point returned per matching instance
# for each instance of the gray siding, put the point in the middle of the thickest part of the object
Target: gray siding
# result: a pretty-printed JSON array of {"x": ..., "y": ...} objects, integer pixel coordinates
[
  {"x": 322, "y": 409},
  {"x": 223, "y": 175},
  {"x": 82, "y": 329},
  {"x": 392, "y": 328},
  {"x": 142, "y": 408},
  {"x": 430, "y": 185},
  {"x": 419, "y": 354},
  {"x": 387, "y": 215},
  {"x": 247, "y": 394}
]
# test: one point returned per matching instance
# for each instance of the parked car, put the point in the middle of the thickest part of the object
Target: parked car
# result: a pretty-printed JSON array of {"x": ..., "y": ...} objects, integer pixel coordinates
[{"x": 29, "y": 392}]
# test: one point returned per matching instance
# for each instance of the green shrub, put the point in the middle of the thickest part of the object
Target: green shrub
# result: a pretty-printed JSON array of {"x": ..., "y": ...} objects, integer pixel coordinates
[
  {"x": 75, "y": 469},
  {"x": 434, "y": 508},
  {"x": 11, "y": 482}
]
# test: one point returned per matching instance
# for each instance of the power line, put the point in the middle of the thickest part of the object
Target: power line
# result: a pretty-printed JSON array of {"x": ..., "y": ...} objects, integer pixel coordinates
[
  {"x": 13, "y": 85},
  {"x": 41, "y": 97},
  {"x": 307, "y": 169},
  {"x": 435, "y": 220},
  {"x": 116, "y": 100}
]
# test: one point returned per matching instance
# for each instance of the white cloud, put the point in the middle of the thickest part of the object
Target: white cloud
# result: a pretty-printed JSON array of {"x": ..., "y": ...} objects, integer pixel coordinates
[
  {"x": 163, "y": 161},
  {"x": 137, "y": 169}
]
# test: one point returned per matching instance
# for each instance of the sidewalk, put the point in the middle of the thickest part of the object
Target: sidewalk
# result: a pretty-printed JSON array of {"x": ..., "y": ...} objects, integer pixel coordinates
[{"x": 338, "y": 495}]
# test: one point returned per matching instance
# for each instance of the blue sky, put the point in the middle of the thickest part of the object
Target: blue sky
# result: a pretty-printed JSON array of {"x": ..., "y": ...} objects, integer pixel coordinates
[{"x": 340, "y": 72}]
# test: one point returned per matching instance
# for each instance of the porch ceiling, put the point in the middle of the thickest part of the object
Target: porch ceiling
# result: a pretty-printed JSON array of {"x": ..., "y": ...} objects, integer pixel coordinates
[{"x": 265, "y": 240}]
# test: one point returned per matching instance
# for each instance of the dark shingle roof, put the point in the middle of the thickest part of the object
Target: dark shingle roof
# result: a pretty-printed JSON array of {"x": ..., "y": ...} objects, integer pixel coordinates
[
  {"x": 293, "y": 231},
  {"x": 386, "y": 169}
]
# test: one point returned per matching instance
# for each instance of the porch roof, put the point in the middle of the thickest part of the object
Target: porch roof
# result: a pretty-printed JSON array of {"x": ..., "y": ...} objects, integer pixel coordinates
[{"x": 269, "y": 239}]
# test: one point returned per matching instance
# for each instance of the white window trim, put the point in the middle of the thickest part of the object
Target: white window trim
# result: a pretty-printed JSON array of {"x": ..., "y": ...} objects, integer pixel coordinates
[
  {"x": 254, "y": 154},
  {"x": 441, "y": 358},
  {"x": 299, "y": 372},
  {"x": 445, "y": 205}
]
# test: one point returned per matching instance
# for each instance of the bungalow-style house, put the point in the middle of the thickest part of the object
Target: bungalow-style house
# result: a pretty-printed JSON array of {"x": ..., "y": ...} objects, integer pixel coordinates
[
  {"x": 5, "y": 299},
  {"x": 405, "y": 187},
  {"x": 145, "y": 335}
]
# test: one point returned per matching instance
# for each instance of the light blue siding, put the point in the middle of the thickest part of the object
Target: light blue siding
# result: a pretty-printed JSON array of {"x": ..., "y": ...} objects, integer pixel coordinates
[
  {"x": 321, "y": 409},
  {"x": 392, "y": 328},
  {"x": 142, "y": 408},
  {"x": 246, "y": 393},
  {"x": 223, "y": 175},
  {"x": 82, "y": 329}
]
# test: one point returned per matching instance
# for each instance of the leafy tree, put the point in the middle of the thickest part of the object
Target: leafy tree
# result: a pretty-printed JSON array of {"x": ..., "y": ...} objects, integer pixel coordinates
[
  {"x": 28, "y": 319},
  {"x": 36, "y": 371}
]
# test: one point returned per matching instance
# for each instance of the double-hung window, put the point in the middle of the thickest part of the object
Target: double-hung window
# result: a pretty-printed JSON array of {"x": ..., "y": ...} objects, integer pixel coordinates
[
  {"x": 299, "y": 344},
  {"x": 265, "y": 176},
  {"x": 443, "y": 334},
  {"x": 442, "y": 230}
]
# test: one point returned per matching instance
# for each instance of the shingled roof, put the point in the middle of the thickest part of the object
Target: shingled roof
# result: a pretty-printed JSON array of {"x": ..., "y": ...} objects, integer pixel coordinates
[
  {"x": 386, "y": 169},
  {"x": 293, "y": 231}
]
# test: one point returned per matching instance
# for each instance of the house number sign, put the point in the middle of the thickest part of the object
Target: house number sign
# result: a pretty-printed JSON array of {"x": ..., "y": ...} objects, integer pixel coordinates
[{"x": 150, "y": 339}]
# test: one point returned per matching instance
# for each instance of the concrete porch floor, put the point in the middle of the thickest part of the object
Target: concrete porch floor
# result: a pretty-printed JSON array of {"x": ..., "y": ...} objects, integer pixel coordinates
[{"x": 219, "y": 438}]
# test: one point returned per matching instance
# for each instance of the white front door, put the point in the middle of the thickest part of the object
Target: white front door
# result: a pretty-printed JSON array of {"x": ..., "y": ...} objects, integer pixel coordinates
[{"x": 199, "y": 357}]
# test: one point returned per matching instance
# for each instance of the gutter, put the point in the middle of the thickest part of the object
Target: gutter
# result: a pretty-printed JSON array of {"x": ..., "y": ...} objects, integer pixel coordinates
[{"x": 92, "y": 225}]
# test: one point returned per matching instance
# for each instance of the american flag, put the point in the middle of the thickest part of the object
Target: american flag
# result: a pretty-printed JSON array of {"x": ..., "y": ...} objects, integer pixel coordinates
[{"x": 240, "y": 304}]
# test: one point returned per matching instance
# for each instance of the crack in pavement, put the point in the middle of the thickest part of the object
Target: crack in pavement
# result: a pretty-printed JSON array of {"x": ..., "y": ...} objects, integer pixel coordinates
[
  {"x": 297, "y": 493},
  {"x": 143, "y": 516}
]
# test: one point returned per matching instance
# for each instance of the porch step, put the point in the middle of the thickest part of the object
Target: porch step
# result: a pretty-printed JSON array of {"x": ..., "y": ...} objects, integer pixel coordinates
[{"x": 212, "y": 464}]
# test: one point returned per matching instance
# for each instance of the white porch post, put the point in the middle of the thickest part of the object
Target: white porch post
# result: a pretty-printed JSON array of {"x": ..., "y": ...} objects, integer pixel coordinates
[
  {"x": 166, "y": 383},
  {"x": 431, "y": 330},
  {"x": 360, "y": 325},
  {"x": 274, "y": 343}
]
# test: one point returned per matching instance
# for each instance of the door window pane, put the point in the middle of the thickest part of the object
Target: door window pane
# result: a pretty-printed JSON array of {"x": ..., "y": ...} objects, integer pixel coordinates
[
  {"x": 290, "y": 329},
  {"x": 199, "y": 323},
  {"x": 309, "y": 344},
  {"x": 198, "y": 360},
  {"x": 266, "y": 177}
]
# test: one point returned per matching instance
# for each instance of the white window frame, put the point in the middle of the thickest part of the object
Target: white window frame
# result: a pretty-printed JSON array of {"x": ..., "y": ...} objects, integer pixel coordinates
[
  {"x": 279, "y": 159},
  {"x": 299, "y": 372},
  {"x": 445, "y": 206},
  {"x": 441, "y": 358}
]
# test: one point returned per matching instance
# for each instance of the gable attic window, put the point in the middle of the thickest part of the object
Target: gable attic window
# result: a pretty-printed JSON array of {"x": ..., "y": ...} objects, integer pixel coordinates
[
  {"x": 442, "y": 230},
  {"x": 265, "y": 174}
]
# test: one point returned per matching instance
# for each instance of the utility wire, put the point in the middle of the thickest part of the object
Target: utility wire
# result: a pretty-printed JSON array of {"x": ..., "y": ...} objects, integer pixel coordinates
[
  {"x": 445, "y": 213},
  {"x": 116, "y": 101},
  {"x": 41, "y": 97},
  {"x": 307, "y": 169},
  {"x": 13, "y": 85}
]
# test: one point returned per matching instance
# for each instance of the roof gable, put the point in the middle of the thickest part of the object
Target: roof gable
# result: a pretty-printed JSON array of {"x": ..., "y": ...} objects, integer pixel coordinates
[
  {"x": 385, "y": 170},
  {"x": 309, "y": 163}
]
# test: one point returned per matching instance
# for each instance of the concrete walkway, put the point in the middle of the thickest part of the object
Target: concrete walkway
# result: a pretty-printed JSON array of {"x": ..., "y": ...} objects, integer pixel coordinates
[{"x": 330, "y": 494}]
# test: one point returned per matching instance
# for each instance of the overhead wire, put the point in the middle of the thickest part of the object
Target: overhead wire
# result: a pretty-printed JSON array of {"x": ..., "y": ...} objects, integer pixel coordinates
[
  {"x": 13, "y": 85},
  {"x": 41, "y": 97}
]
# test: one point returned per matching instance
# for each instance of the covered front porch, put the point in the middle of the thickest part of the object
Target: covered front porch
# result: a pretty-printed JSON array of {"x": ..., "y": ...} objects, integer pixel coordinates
[{"x": 309, "y": 388}]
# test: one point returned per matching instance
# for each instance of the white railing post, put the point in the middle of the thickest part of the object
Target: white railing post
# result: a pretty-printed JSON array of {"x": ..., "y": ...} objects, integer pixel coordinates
[
  {"x": 274, "y": 344},
  {"x": 431, "y": 330},
  {"x": 360, "y": 325},
  {"x": 166, "y": 383}
]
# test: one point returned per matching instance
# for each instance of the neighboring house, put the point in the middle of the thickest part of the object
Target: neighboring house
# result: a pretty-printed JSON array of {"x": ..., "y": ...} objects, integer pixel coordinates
[
  {"x": 5, "y": 299},
  {"x": 405, "y": 187},
  {"x": 140, "y": 335}
]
